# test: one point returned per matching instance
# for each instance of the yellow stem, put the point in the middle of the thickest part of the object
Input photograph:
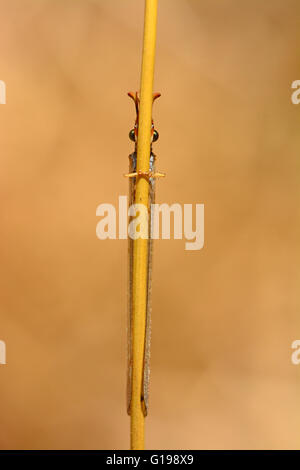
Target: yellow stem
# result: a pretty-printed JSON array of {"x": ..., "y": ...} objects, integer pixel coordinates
[{"x": 140, "y": 255}]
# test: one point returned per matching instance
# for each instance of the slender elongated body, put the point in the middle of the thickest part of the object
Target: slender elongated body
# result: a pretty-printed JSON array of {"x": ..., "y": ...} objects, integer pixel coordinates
[{"x": 151, "y": 175}]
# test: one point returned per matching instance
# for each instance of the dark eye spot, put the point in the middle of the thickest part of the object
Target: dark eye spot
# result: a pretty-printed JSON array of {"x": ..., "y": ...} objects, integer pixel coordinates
[
  {"x": 132, "y": 135},
  {"x": 155, "y": 136}
]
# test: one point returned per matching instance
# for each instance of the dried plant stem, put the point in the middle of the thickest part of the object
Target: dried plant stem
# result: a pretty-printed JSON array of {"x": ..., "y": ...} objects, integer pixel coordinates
[{"x": 140, "y": 252}]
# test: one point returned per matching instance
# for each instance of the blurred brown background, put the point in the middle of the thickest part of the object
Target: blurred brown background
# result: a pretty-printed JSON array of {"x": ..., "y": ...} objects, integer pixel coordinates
[{"x": 224, "y": 317}]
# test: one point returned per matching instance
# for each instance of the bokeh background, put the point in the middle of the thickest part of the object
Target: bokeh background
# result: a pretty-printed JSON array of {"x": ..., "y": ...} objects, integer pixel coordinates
[{"x": 224, "y": 317}]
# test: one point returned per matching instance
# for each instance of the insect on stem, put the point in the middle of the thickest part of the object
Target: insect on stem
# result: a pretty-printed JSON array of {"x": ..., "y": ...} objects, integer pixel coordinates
[{"x": 141, "y": 190}]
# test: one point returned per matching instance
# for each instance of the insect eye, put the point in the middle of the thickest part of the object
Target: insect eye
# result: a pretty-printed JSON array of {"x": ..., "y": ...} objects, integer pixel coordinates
[
  {"x": 155, "y": 136},
  {"x": 132, "y": 135}
]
